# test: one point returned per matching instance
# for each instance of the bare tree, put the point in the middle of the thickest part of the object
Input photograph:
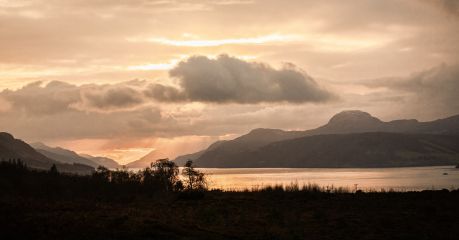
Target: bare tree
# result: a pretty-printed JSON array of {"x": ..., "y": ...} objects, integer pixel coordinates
[{"x": 194, "y": 180}]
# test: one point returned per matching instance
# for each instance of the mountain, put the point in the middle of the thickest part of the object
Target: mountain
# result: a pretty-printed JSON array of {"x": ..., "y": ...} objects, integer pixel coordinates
[
  {"x": 62, "y": 155},
  {"x": 102, "y": 161},
  {"x": 146, "y": 160},
  {"x": 345, "y": 122},
  {"x": 373, "y": 149},
  {"x": 13, "y": 149},
  {"x": 68, "y": 156},
  {"x": 181, "y": 160},
  {"x": 154, "y": 155},
  {"x": 355, "y": 121}
]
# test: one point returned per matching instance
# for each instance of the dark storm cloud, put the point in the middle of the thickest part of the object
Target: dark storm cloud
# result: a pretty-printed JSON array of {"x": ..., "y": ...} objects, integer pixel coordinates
[{"x": 232, "y": 80}]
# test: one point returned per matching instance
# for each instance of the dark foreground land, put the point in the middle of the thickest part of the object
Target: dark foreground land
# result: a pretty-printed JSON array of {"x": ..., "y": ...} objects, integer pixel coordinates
[{"x": 37, "y": 205}]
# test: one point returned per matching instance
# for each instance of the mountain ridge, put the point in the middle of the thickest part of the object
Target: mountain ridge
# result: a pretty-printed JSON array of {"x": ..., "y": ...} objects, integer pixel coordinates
[
  {"x": 16, "y": 149},
  {"x": 62, "y": 155},
  {"x": 371, "y": 149},
  {"x": 345, "y": 122},
  {"x": 68, "y": 156}
]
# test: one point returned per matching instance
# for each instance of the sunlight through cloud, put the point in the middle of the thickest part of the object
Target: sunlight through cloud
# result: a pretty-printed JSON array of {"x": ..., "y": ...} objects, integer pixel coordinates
[{"x": 273, "y": 38}]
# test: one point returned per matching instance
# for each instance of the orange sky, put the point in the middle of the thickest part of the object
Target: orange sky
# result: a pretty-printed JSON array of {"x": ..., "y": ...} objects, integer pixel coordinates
[{"x": 123, "y": 78}]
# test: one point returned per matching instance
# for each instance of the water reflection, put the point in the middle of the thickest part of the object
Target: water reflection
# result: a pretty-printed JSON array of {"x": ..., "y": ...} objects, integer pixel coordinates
[{"x": 412, "y": 178}]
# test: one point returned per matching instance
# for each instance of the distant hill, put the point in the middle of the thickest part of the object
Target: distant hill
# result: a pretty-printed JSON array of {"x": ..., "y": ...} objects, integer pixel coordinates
[
  {"x": 62, "y": 155},
  {"x": 12, "y": 149},
  {"x": 102, "y": 161},
  {"x": 181, "y": 160},
  {"x": 68, "y": 156},
  {"x": 374, "y": 149},
  {"x": 154, "y": 155},
  {"x": 146, "y": 160},
  {"x": 345, "y": 122}
]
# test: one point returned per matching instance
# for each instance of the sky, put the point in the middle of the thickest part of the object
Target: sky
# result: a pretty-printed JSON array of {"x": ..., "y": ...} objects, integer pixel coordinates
[{"x": 124, "y": 78}]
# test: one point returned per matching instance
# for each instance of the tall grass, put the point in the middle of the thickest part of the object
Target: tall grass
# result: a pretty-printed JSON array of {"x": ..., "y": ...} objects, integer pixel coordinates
[{"x": 293, "y": 187}]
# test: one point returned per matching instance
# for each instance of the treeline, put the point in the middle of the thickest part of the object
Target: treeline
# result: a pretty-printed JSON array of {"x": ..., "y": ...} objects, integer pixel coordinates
[{"x": 161, "y": 177}]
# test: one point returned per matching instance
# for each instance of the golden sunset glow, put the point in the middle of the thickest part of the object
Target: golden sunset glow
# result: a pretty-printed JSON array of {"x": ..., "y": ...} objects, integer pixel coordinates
[
  {"x": 121, "y": 80},
  {"x": 214, "y": 43}
]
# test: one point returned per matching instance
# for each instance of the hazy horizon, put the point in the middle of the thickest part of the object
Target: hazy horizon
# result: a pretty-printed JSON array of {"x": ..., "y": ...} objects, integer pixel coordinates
[{"x": 122, "y": 79}]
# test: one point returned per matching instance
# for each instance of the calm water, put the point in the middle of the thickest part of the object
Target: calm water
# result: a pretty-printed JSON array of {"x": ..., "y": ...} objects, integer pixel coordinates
[{"x": 411, "y": 178}]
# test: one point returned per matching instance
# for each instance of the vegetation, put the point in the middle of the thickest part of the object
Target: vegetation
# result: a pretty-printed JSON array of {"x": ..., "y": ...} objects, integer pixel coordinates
[
  {"x": 150, "y": 204},
  {"x": 194, "y": 179}
]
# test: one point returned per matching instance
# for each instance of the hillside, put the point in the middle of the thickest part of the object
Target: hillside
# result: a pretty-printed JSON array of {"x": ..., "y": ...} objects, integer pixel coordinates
[
  {"x": 346, "y": 150},
  {"x": 68, "y": 156},
  {"x": 181, "y": 160},
  {"x": 154, "y": 155},
  {"x": 345, "y": 122},
  {"x": 357, "y": 121},
  {"x": 14, "y": 149},
  {"x": 146, "y": 160},
  {"x": 62, "y": 155},
  {"x": 102, "y": 161}
]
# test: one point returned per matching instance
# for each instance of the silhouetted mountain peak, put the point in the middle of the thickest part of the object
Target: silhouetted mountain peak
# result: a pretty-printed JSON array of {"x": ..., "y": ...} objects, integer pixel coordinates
[
  {"x": 350, "y": 121},
  {"x": 353, "y": 116},
  {"x": 6, "y": 136}
]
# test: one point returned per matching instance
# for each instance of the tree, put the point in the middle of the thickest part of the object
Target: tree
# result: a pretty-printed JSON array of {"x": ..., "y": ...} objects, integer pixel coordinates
[
  {"x": 166, "y": 172},
  {"x": 102, "y": 174},
  {"x": 194, "y": 179},
  {"x": 120, "y": 176},
  {"x": 53, "y": 170},
  {"x": 179, "y": 186}
]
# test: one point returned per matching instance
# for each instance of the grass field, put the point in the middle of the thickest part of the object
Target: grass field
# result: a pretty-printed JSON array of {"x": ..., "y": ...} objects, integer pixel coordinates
[{"x": 42, "y": 205}]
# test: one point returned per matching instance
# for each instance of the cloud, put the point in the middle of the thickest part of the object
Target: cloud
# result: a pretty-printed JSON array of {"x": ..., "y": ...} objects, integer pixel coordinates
[
  {"x": 449, "y": 6},
  {"x": 110, "y": 97},
  {"x": 331, "y": 33},
  {"x": 38, "y": 99},
  {"x": 164, "y": 93},
  {"x": 58, "y": 110},
  {"x": 231, "y": 80},
  {"x": 140, "y": 109},
  {"x": 273, "y": 38},
  {"x": 364, "y": 40},
  {"x": 35, "y": 99},
  {"x": 433, "y": 91},
  {"x": 4, "y": 105}
]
